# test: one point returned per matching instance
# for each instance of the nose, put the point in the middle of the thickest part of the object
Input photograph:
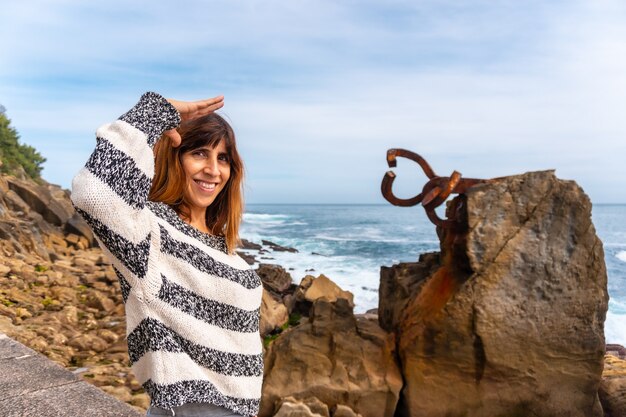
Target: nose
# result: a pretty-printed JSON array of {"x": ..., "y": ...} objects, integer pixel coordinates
[{"x": 211, "y": 167}]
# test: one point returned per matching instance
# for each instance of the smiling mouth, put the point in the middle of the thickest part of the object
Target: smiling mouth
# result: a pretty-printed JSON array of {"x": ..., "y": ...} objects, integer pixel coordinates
[{"x": 206, "y": 186}]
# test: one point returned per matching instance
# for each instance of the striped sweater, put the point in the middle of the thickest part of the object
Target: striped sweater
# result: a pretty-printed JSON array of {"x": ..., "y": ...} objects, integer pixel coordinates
[{"x": 192, "y": 309}]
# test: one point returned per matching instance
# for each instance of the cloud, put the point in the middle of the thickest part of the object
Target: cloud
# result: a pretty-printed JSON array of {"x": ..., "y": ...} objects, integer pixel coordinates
[{"x": 317, "y": 91}]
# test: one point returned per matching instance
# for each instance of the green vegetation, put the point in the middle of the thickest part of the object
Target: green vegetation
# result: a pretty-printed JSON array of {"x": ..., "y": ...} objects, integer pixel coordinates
[
  {"x": 294, "y": 320},
  {"x": 41, "y": 268},
  {"x": 6, "y": 303},
  {"x": 47, "y": 301},
  {"x": 14, "y": 154}
]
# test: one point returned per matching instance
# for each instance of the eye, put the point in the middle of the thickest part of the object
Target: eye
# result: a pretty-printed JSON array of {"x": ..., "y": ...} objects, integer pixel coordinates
[
  {"x": 223, "y": 157},
  {"x": 199, "y": 153}
]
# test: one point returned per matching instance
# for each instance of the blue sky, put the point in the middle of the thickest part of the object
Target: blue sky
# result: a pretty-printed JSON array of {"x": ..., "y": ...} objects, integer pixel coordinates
[{"x": 317, "y": 91}]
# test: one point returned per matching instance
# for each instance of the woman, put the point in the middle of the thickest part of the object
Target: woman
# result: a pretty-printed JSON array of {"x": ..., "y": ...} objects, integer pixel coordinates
[{"x": 165, "y": 205}]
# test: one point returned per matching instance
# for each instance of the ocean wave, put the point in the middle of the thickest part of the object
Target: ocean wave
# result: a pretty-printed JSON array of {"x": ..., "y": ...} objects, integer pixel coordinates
[
  {"x": 615, "y": 328},
  {"x": 621, "y": 255},
  {"x": 617, "y": 306},
  {"x": 259, "y": 217},
  {"x": 360, "y": 239}
]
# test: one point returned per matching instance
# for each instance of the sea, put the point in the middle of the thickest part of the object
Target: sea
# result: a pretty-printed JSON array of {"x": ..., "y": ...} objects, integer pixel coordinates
[{"x": 349, "y": 244}]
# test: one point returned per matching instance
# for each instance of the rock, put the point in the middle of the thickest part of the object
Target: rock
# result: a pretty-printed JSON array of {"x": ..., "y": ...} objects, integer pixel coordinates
[
  {"x": 6, "y": 326},
  {"x": 612, "y": 390},
  {"x": 336, "y": 359},
  {"x": 87, "y": 342},
  {"x": 310, "y": 406},
  {"x": 107, "y": 335},
  {"x": 246, "y": 244},
  {"x": 41, "y": 200},
  {"x": 273, "y": 314},
  {"x": 343, "y": 411},
  {"x": 100, "y": 302},
  {"x": 250, "y": 259},
  {"x": 323, "y": 287},
  {"x": 274, "y": 277},
  {"x": 512, "y": 322},
  {"x": 298, "y": 409},
  {"x": 15, "y": 203},
  {"x": 121, "y": 393},
  {"x": 398, "y": 285},
  {"x": 616, "y": 350},
  {"x": 310, "y": 289},
  {"x": 21, "y": 312},
  {"x": 277, "y": 248},
  {"x": 69, "y": 315},
  {"x": 77, "y": 226},
  {"x": 141, "y": 400}
]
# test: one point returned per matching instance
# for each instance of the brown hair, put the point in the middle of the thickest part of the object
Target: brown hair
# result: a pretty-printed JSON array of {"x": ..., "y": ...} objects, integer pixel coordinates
[{"x": 223, "y": 216}]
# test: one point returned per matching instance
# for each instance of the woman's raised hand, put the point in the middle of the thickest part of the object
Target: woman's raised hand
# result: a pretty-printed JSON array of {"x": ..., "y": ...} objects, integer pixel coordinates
[{"x": 191, "y": 110}]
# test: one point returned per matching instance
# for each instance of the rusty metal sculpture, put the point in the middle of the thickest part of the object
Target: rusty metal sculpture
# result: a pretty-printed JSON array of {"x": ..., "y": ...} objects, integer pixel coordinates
[{"x": 434, "y": 193}]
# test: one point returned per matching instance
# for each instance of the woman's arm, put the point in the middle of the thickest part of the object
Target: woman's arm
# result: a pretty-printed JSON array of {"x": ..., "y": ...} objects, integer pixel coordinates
[{"x": 111, "y": 191}]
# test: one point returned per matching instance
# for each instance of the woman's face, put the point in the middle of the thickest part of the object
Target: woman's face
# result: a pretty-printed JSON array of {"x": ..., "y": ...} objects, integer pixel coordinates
[{"x": 207, "y": 171}]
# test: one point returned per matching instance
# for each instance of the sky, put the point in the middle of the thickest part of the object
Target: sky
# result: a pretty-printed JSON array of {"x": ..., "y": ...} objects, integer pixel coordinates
[{"x": 317, "y": 91}]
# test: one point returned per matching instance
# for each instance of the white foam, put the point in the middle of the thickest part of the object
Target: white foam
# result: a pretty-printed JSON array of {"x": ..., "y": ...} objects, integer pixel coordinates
[
  {"x": 617, "y": 306},
  {"x": 621, "y": 255},
  {"x": 359, "y": 238},
  {"x": 615, "y": 328},
  {"x": 261, "y": 217}
]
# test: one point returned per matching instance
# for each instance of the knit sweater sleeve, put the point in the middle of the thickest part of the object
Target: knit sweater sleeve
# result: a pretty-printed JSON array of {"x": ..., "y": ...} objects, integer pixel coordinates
[{"x": 111, "y": 191}]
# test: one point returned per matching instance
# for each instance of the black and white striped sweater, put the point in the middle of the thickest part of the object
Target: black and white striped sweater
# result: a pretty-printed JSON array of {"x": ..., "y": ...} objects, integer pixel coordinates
[{"x": 192, "y": 309}]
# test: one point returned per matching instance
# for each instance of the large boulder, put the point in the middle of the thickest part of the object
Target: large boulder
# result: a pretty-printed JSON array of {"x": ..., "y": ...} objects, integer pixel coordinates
[
  {"x": 511, "y": 323},
  {"x": 337, "y": 358}
]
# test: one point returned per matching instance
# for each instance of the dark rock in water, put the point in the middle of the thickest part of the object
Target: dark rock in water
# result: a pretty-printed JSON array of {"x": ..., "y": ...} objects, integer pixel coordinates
[
  {"x": 250, "y": 259},
  {"x": 512, "y": 322},
  {"x": 246, "y": 244},
  {"x": 274, "y": 277},
  {"x": 277, "y": 247}
]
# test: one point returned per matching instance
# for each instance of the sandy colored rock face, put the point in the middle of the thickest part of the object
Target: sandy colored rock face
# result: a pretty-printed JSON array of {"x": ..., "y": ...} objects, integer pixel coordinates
[
  {"x": 312, "y": 288},
  {"x": 335, "y": 358},
  {"x": 613, "y": 387},
  {"x": 57, "y": 293},
  {"x": 273, "y": 314},
  {"x": 523, "y": 335}
]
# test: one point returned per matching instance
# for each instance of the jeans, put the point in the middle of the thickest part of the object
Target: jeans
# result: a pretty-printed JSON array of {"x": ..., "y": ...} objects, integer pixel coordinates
[{"x": 193, "y": 410}]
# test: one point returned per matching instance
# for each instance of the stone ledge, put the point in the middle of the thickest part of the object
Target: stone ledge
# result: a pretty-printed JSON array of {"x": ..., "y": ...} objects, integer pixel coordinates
[{"x": 32, "y": 385}]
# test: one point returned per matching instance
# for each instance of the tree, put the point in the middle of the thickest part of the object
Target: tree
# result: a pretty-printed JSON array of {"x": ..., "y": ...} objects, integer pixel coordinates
[{"x": 14, "y": 154}]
